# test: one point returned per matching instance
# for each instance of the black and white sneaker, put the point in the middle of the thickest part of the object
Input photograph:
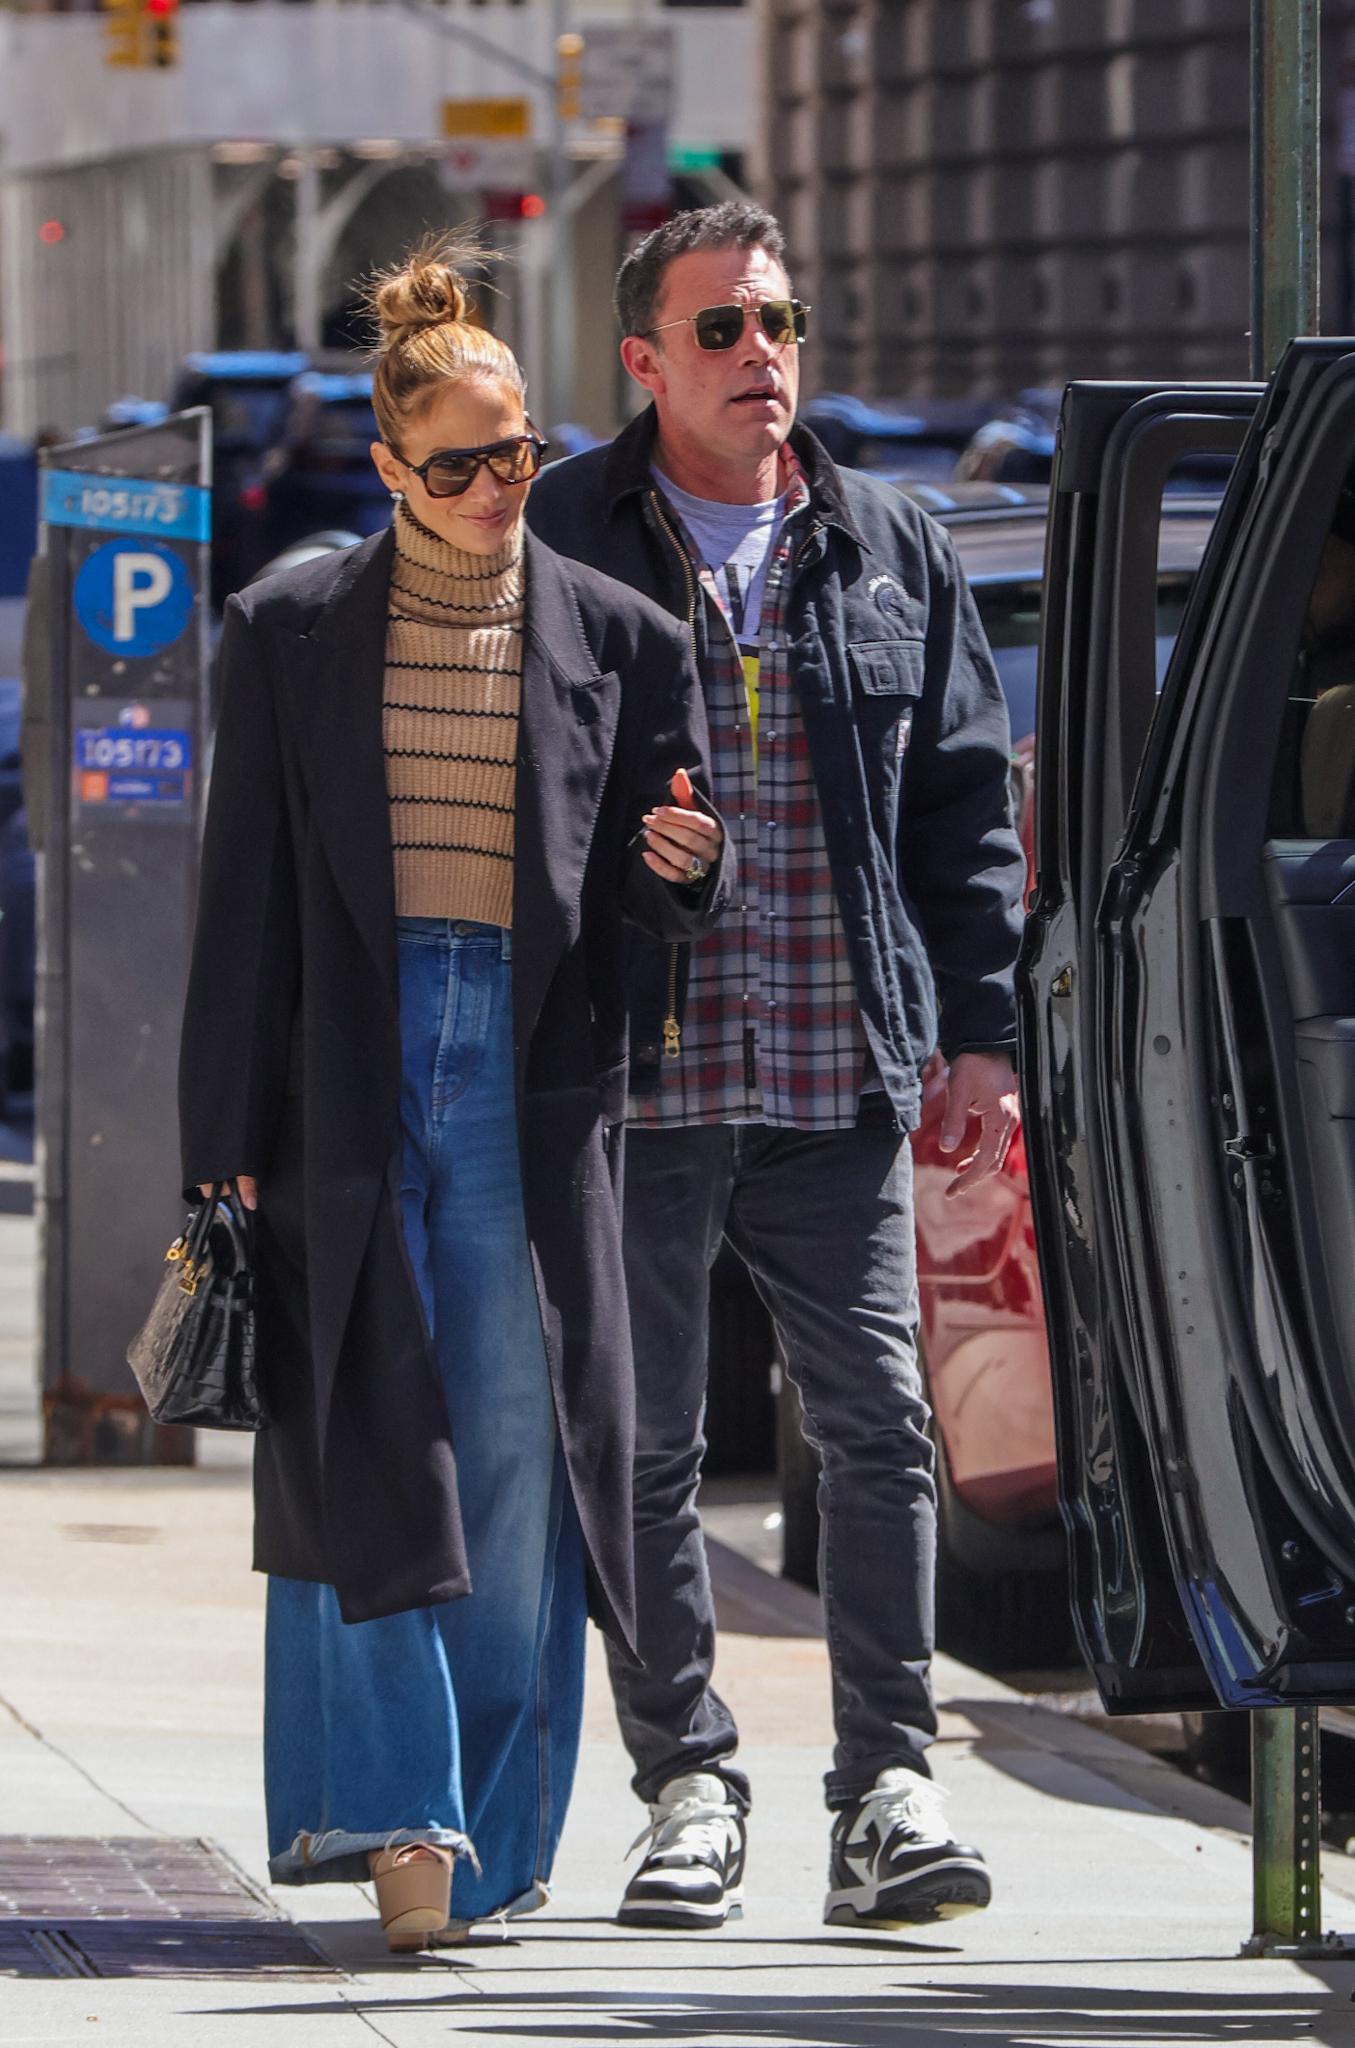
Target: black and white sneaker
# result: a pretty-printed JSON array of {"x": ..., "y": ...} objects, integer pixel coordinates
[
  {"x": 894, "y": 1863},
  {"x": 692, "y": 1875}
]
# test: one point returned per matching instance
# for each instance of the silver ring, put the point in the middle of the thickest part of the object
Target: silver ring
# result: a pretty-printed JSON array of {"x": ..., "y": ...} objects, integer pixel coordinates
[{"x": 696, "y": 869}]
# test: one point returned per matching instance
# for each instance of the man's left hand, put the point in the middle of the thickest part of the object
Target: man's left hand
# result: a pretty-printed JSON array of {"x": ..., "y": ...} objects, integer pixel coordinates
[{"x": 982, "y": 1085}]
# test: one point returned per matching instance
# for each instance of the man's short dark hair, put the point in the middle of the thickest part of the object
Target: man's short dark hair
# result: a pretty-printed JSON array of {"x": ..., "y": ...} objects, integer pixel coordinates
[{"x": 734, "y": 224}]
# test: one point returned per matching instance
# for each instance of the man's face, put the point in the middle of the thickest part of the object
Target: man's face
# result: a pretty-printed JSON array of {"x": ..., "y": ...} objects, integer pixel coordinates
[{"x": 733, "y": 402}]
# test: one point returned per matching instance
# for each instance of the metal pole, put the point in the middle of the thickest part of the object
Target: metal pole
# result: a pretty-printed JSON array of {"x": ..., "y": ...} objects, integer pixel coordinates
[
  {"x": 1285, "y": 158},
  {"x": 1284, "y": 176},
  {"x": 553, "y": 285},
  {"x": 558, "y": 311},
  {"x": 1286, "y": 1832},
  {"x": 307, "y": 262}
]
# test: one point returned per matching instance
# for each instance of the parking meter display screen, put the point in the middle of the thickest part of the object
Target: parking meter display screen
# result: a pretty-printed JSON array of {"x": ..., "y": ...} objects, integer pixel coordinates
[{"x": 133, "y": 761}]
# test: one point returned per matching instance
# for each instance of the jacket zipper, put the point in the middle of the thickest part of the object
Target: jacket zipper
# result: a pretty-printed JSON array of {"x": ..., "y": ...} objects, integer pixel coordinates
[
  {"x": 801, "y": 551},
  {"x": 689, "y": 581},
  {"x": 672, "y": 1030}
]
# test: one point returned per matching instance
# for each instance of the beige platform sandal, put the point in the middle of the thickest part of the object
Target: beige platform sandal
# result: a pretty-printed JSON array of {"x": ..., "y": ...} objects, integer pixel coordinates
[{"x": 413, "y": 1892}]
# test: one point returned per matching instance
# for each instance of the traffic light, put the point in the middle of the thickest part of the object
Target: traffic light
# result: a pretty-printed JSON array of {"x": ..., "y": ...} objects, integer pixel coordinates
[
  {"x": 569, "y": 75},
  {"x": 124, "y": 37},
  {"x": 162, "y": 25},
  {"x": 141, "y": 33}
]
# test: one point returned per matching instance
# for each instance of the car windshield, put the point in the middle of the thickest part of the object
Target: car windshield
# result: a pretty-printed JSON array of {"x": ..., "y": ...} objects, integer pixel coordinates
[
  {"x": 338, "y": 435},
  {"x": 247, "y": 415},
  {"x": 1011, "y": 619}
]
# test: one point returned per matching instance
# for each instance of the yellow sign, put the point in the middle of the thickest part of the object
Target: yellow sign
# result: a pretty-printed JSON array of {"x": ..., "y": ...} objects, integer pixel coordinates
[
  {"x": 486, "y": 120},
  {"x": 124, "y": 36}
]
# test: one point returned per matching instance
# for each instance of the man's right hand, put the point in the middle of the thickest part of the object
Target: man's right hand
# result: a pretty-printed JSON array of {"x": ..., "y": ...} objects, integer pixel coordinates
[{"x": 245, "y": 1188}]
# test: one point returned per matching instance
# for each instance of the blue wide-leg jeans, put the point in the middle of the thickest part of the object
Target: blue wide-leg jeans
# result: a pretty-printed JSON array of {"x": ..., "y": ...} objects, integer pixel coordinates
[{"x": 457, "y": 1724}]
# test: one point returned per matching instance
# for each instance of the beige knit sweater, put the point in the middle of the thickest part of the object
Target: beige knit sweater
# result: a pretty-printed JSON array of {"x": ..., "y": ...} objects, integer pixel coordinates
[{"x": 452, "y": 695}]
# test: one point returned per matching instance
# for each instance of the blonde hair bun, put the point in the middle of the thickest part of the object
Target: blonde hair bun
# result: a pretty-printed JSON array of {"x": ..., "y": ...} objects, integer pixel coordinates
[
  {"x": 428, "y": 330},
  {"x": 426, "y": 291}
]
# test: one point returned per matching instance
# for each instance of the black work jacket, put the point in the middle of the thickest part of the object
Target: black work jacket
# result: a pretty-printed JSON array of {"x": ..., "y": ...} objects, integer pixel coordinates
[
  {"x": 907, "y": 731},
  {"x": 290, "y": 1061}
]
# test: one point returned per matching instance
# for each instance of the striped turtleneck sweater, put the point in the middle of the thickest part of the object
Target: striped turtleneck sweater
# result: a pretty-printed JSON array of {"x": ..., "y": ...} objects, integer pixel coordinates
[{"x": 450, "y": 715}]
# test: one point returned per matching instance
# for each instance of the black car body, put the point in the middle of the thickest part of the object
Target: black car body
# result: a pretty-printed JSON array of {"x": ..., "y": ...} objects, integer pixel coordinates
[
  {"x": 322, "y": 477},
  {"x": 249, "y": 395}
]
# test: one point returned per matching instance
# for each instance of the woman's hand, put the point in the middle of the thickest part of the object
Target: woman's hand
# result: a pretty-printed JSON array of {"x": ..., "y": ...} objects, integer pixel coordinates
[
  {"x": 246, "y": 1188},
  {"x": 681, "y": 843}
]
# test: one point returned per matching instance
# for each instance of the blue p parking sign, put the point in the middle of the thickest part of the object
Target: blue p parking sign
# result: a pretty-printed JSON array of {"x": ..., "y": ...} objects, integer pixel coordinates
[{"x": 133, "y": 597}]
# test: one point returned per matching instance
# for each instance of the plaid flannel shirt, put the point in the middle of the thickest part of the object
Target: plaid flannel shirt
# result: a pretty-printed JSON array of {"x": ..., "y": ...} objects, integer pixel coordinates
[{"x": 771, "y": 1030}]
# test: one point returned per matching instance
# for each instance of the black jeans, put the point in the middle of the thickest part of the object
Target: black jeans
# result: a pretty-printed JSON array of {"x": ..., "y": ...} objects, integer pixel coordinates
[{"x": 824, "y": 1222}]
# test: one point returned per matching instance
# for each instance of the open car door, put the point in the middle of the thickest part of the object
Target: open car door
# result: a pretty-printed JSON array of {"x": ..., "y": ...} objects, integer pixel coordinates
[
  {"x": 1118, "y": 447},
  {"x": 1189, "y": 1020}
]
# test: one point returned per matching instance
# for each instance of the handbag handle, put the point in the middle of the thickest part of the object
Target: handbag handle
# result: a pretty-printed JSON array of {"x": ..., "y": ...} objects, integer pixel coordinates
[{"x": 189, "y": 1249}]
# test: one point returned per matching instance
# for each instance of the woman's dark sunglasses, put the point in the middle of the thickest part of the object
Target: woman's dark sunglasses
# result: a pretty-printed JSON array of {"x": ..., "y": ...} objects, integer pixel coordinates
[
  {"x": 449, "y": 472},
  {"x": 719, "y": 327}
]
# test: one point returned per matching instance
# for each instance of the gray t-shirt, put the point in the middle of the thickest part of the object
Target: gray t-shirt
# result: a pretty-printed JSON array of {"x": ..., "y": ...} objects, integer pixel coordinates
[{"x": 736, "y": 544}]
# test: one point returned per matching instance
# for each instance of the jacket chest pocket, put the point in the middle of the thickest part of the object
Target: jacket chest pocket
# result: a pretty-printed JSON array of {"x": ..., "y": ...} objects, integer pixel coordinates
[{"x": 889, "y": 675}]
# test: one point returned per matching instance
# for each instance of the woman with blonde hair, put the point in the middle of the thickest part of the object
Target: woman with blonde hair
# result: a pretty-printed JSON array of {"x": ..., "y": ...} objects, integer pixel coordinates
[{"x": 449, "y": 766}]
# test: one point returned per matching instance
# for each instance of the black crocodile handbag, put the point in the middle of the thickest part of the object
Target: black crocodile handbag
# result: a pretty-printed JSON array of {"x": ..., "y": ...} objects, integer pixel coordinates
[{"x": 195, "y": 1358}]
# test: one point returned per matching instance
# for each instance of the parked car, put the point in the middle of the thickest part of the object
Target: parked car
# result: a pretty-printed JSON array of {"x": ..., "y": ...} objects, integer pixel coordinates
[
  {"x": 1010, "y": 450},
  {"x": 1002, "y": 1589},
  {"x": 18, "y": 514},
  {"x": 321, "y": 475},
  {"x": 248, "y": 393},
  {"x": 16, "y": 911},
  {"x": 915, "y": 439}
]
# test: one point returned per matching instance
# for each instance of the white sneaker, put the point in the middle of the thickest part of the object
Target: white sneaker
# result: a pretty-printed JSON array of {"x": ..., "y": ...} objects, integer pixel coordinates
[
  {"x": 894, "y": 1861},
  {"x": 692, "y": 1875}
]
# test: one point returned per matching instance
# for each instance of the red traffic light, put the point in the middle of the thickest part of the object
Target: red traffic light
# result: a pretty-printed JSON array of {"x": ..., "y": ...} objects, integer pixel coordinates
[
  {"x": 514, "y": 205},
  {"x": 50, "y": 233}
]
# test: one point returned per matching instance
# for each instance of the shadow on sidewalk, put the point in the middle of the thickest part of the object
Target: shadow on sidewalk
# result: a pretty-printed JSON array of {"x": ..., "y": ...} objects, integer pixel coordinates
[
  {"x": 1006, "y": 2015},
  {"x": 357, "y": 1946}
]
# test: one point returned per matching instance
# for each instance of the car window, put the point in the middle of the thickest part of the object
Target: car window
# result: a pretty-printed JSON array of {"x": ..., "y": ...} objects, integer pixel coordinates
[
  {"x": 345, "y": 431},
  {"x": 1313, "y": 794},
  {"x": 1011, "y": 619},
  {"x": 246, "y": 415}
]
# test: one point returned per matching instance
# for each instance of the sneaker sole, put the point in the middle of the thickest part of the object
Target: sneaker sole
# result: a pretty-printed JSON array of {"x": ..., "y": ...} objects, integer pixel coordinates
[
  {"x": 938, "y": 1895},
  {"x": 671, "y": 1913}
]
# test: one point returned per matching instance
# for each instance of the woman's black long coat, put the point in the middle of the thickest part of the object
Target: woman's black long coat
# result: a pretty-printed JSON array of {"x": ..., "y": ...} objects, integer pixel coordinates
[{"x": 290, "y": 1064}]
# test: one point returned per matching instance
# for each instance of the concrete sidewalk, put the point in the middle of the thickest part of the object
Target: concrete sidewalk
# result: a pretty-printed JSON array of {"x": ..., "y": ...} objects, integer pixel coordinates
[{"x": 130, "y": 1680}]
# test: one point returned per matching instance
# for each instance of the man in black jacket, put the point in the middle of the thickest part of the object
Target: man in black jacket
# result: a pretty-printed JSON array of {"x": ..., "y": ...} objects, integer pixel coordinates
[{"x": 860, "y": 755}]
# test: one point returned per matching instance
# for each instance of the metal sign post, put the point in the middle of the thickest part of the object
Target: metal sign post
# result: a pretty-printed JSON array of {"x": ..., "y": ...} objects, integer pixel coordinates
[
  {"x": 1285, "y": 160},
  {"x": 125, "y": 524}
]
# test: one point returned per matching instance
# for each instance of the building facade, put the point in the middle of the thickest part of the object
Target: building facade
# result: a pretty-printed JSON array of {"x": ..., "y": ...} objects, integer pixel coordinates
[{"x": 983, "y": 196}]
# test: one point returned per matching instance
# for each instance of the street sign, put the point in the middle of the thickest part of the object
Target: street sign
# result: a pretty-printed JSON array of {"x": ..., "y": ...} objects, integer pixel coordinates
[
  {"x": 486, "y": 120},
  {"x": 627, "y": 74},
  {"x": 489, "y": 145},
  {"x": 491, "y": 165},
  {"x": 646, "y": 182},
  {"x": 133, "y": 599}
]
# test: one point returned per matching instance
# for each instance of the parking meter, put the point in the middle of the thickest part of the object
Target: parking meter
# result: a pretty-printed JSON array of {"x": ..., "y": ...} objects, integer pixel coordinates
[{"x": 125, "y": 525}]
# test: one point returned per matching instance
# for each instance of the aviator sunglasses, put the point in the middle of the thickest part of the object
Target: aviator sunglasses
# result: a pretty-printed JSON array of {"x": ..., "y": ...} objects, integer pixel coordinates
[
  {"x": 720, "y": 327},
  {"x": 450, "y": 472}
]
